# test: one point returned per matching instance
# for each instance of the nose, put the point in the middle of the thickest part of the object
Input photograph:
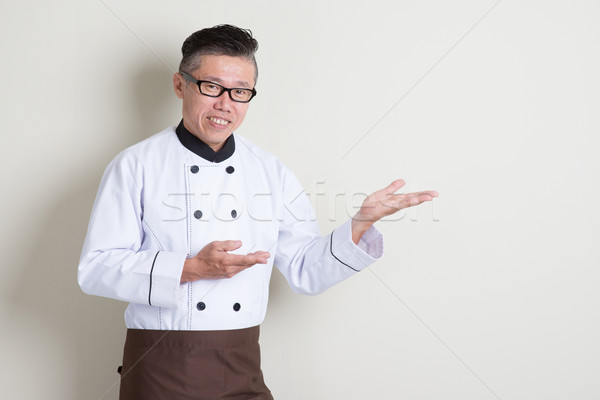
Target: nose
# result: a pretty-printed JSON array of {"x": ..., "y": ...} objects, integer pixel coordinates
[{"x": 224, "y": 102}]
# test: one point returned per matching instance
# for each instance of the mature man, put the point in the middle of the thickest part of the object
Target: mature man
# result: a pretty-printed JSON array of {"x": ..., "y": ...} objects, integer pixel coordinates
[{"x": 184, "y": 226}]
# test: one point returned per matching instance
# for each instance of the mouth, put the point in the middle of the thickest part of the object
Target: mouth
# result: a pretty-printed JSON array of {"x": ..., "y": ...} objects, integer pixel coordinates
[{"x": 219, "y": 121}]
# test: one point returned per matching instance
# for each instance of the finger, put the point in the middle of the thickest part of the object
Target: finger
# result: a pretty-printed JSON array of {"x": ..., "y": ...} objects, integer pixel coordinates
[
  {"x": 228, "y": 245},
  {"x": 417, "y": 198},
  {"x": 410, "y": 199},
  {"x": 431, "y": 193},
  {"x": 426, "y": 194},
  {"x": 260, "y": 254},
  {"x": 394, "y": 186},
  {"x": 245, "y": 260}
]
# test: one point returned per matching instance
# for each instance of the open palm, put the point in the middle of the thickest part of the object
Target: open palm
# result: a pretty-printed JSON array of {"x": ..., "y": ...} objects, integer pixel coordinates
[{"x": 386, "y": 202}]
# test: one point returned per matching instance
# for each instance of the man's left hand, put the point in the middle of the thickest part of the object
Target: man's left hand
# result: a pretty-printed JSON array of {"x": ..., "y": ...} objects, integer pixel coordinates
[{"x": 385, "y": 202}]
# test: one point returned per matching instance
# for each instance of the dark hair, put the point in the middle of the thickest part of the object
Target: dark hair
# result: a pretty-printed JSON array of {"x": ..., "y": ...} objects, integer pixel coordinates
[{"x": 221, "y": 40}]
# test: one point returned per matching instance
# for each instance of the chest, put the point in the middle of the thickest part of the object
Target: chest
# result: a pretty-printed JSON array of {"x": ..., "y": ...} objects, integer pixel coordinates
[{"x": 188, "y": 204}]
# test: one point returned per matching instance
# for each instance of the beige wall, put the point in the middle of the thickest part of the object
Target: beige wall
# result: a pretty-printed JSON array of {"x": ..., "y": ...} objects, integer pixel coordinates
[{"x": 491, "y": 293}]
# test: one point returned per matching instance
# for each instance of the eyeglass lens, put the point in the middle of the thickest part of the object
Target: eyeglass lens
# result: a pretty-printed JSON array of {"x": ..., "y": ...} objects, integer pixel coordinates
[{"x": 237, "y": 94}]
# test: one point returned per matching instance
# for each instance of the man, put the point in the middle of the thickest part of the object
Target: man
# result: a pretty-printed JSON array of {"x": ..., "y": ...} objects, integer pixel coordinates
[{"x": 188, "y": 223}]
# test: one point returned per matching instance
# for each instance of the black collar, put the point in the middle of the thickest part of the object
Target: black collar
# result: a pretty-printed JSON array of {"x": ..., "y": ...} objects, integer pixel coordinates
[{"x": 195, "y": 145}]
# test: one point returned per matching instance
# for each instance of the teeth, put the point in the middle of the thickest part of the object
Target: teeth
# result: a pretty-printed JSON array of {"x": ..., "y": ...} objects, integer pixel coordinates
[{"x": 219, "y": 121}]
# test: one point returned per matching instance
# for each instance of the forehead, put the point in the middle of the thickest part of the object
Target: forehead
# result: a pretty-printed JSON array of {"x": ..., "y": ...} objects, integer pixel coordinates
[{"x": 227, "y": 70}]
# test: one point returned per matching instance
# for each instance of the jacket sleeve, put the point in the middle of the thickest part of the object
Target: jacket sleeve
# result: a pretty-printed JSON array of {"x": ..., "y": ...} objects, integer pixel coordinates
[
  {"x": 312, "y": 263},
  {"x": 113, "y": 263}
]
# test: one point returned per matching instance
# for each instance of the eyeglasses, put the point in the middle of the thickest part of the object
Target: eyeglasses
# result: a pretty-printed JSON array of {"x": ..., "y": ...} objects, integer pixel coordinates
[{"x": 212, "y": 89}]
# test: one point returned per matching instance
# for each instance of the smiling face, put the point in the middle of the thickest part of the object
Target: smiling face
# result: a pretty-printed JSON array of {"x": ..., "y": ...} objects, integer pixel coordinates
[{"x": 213, "y": 119}]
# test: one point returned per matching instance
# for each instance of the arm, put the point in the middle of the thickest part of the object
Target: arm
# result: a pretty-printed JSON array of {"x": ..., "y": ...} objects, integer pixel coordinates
[
  {"x": 115, "y": 262},
  {"x": 312, "y": 263}
]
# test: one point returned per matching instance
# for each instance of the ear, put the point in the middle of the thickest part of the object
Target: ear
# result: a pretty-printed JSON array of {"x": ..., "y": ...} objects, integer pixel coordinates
[{"x": 178, "y": 84}]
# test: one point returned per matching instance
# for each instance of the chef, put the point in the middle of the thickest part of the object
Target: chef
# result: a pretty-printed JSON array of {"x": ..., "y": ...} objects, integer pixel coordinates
[{"x": 188, "y": 224}]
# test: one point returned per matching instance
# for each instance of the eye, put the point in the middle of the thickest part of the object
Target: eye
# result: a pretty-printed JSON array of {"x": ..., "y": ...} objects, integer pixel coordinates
[
  {"x": 241, "y": 94},
  {"x": 211, "y": 88}
]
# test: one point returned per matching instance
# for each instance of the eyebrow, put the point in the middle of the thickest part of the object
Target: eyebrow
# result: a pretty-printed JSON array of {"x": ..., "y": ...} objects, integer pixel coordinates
[{"x": 219, "y": 80}]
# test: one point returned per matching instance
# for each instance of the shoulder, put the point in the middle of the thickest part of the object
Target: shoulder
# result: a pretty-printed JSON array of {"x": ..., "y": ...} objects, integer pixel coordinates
[
  {"x": 148, "y": 150},
  {"x": 152, "y": 146},
  {"x": 131, "y": 162}
]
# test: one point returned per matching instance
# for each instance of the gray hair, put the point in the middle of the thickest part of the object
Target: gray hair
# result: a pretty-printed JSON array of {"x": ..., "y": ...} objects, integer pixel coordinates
[{"x": 220, "y": 40}]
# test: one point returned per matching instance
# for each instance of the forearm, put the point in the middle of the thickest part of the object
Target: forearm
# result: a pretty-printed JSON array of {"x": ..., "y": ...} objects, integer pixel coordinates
[
  {"x": 145, "y": 277},
  {"x": 321, "y": 262}
]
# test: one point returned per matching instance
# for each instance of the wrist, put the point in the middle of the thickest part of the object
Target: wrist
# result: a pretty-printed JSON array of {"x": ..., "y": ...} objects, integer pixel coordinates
[
  {"x": 188, "y": 268},
  {"x": 359, "y": 227}
]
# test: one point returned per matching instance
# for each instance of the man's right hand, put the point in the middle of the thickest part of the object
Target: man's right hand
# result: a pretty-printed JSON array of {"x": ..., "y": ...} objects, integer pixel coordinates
[{"x": 214, "y": 261}]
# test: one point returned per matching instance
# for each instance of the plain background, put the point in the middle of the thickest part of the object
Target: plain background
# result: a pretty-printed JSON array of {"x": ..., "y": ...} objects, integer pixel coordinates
[{"x": 488, "y": 293}]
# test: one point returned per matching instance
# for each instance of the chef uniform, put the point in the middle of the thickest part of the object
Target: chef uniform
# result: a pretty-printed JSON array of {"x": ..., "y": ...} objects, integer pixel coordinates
[{"x": 161, "y": 201}]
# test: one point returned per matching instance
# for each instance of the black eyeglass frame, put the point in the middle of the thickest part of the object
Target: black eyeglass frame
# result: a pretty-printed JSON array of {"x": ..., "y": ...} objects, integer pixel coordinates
[{"x": 198, "y": 82}]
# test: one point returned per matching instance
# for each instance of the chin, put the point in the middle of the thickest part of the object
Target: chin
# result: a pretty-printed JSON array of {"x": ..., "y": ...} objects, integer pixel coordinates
[{"x": 217, "y": 138}]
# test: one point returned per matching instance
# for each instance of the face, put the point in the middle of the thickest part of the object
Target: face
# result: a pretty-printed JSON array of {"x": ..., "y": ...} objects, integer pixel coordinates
[{"x": 213, "y": 119}]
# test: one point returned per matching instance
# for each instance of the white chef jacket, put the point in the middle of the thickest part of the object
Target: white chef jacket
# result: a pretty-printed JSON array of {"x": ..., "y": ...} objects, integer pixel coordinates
[{"x": 160, "y": 202}]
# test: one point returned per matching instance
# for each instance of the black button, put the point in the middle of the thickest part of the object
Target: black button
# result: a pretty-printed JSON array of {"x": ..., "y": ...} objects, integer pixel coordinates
[
  {"x": 194, "y": 169},
  {"x": 236, "y": 307},
  {"x": 200, "y": 306},
  {"x": 230, "y": 169},
  {"x": 198, "y": 214},
  {"x": 233, "y": 213}
]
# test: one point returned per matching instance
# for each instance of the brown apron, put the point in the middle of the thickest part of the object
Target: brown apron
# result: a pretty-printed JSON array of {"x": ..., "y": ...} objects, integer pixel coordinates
[{"x": 192, "y": 365}]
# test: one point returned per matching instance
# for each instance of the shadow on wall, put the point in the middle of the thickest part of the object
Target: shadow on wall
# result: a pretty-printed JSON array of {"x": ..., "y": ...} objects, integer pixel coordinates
[
  {"x": 84, "y": 334},
  {"x": 155, "y": 102}
]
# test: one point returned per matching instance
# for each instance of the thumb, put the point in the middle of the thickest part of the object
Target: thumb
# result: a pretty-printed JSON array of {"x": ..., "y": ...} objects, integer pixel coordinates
[
  {"x": 394, "y": 186},
  {"x": 229, "y": 245}
]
